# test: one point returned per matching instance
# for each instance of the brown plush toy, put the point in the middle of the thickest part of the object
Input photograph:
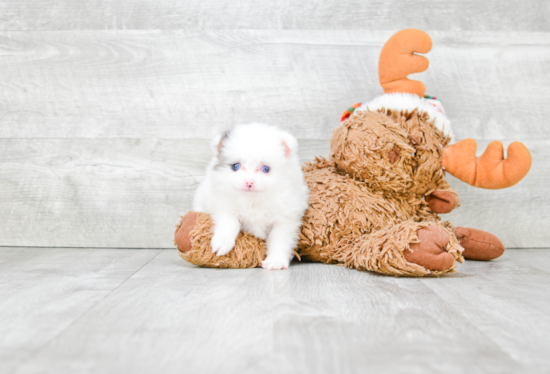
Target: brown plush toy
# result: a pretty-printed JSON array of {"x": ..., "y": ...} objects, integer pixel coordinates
[{"x": 374, "y": 203}]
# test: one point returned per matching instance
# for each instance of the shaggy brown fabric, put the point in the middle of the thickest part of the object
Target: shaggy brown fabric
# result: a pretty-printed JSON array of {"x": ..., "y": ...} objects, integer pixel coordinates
[
  {"x": 361, "y": 146},
  {"x": 249, "y": 251},
  {"x": 383, "y": 251},
  {"x": 365, "y": 211},
  {"x": 348, "y": 223},
  {"x": 479, "y": 245}
]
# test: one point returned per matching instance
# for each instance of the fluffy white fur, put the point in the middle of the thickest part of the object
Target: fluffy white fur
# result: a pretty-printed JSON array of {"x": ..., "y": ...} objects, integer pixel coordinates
[
  {"x": 406, "y": 101},
  {"x": 268, "y": 205}
]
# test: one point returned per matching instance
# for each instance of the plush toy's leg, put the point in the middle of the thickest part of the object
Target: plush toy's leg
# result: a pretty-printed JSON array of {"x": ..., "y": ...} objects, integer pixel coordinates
[
  {"x": 409, "y": 248},
  {"x": 193, "y": 236},
  {"x": 479, "y": 245}
]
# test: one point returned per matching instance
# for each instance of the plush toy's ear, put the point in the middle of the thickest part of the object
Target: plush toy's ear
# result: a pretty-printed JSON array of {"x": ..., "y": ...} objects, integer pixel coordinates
[
  {"x": 398, "y": 60},
  {"x": 289, "y": 143}
]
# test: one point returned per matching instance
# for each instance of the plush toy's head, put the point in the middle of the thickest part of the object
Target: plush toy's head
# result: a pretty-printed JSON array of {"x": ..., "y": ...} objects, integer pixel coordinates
[
  {"x": 395, "y": 150},
  {"x": 399, "y": 142}
]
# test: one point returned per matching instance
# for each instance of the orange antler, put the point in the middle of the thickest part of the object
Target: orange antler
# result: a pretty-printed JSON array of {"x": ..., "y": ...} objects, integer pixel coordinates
[
  {"x": 490, "y": 170},
  {"x": 398, "y": 60}
]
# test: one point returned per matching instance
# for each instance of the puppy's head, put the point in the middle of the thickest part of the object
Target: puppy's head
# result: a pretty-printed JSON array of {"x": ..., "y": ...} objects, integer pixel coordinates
[{"x": 254, "y": 158}]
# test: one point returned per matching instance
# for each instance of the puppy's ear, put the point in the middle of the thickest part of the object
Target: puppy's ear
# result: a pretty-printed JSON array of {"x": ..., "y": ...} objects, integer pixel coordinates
[
  {"x": 217, "y": 143},
  {"x": 289, "y": 143}
]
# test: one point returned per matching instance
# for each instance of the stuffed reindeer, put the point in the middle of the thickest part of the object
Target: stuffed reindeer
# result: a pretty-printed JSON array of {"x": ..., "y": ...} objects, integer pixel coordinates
[{"x": 374, "y": 203}]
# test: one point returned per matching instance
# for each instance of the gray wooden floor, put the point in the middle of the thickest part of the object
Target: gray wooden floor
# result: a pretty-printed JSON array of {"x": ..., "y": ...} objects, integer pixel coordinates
[{"x": 66, "y": 310}]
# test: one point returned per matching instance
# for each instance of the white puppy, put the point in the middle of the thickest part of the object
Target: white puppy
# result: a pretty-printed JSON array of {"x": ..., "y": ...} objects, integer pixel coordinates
[{"x": 255, "y": 184}]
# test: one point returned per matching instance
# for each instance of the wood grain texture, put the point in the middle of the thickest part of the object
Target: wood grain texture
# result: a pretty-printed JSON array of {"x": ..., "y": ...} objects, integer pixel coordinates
[
  {"x": 170, "y": 317},
  {"x": 130, "y": 193},
  {"x": 463, "y": 15},
  {"x": 523, "y": 323},
  {"x": 192, "y": 84},
  {"x": 45, "y": 290},
  {"x": 104, "y": 192}
]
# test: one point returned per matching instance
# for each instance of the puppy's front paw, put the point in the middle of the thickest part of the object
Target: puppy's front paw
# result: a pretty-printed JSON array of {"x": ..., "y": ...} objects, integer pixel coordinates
[
  {"x": 222, "y": 243},
  {"x": 276, "y": 262}
]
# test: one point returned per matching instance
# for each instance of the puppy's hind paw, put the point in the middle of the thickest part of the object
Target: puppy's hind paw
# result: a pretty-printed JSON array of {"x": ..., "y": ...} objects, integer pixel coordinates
[{"x": 275, "y": 263}]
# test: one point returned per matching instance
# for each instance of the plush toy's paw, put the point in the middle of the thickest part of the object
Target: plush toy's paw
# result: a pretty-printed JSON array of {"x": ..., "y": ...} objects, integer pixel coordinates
[
  {"x": 442, "y": 201},
  {"x": 222, "y": 242},
  {"x": 183, "y": 229},
  {"x": 276, "y": 262},
  {"x": 479, "y": 245},
  {"x": 430, "y": 252}
]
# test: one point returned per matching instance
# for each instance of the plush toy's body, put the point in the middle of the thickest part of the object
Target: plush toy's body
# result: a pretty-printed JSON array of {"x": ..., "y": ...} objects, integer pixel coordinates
[{"x": 374, "y": 203}]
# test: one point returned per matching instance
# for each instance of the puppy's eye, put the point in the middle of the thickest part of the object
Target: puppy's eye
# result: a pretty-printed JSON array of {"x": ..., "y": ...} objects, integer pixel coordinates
[
  {"x": 236, "y": 166},
  {"x": 265, "y": 169}
]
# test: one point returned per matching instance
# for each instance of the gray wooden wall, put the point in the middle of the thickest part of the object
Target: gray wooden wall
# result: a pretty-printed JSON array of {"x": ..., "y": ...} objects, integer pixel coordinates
[{"x": 106, "y": 105}]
